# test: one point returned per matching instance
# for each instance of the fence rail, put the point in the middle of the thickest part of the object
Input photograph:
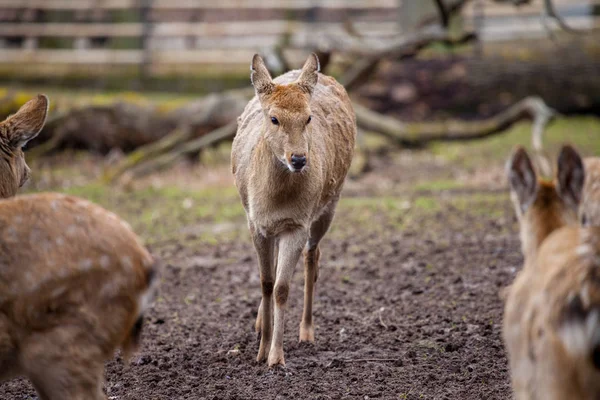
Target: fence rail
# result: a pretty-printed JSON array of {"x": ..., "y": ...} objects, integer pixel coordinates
[
  {"x": 206, "y": 37},
  {"x": 195, "y": 4}
]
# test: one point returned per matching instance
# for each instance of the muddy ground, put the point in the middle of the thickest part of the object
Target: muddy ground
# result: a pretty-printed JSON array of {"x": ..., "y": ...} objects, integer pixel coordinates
[{"x": 407, "y": 303}]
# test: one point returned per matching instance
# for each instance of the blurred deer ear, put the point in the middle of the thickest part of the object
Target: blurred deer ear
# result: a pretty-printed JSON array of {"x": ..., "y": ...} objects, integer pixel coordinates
[
  {"x": 570, "y": 175},
  {"x": 260, "y": 77},
  {"x": 309, "y": 75},
  {"x": 27, "y": 122},
  {"x": 522, "y": 178}
]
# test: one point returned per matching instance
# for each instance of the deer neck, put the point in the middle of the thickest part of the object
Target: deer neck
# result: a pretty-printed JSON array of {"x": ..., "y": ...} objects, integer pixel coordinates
[{"x": 539, "y": 227}]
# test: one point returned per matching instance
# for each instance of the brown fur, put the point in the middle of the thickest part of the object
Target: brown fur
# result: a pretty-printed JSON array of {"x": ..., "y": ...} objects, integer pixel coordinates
[
  {"x": 552, "y": 311},
  {"x": 74, "y": 280},
  {"x": 543, "y": 206},
  {"x": 548, "y": 213},
  {"x": 15, "y": 132},
  {"x": 288, "y": 211},
  {"x": 549, "y": 348},
  {"x": 589, "y": 210}
]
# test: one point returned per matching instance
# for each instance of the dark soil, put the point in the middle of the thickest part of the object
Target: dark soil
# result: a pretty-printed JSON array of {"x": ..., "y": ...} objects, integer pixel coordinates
[{"x": 407, "y": 307}]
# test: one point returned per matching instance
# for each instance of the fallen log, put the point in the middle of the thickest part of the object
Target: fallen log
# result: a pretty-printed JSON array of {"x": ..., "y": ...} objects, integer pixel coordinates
[
  {"x": 418, "y": 134},
  {"x": 167, "y": 159}
]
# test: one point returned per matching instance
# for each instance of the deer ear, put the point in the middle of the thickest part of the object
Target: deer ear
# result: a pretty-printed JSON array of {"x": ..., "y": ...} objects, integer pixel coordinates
[
  {"x": 260, "y": 77},
  {"x": 522, "y": 178},
  {"x": 309, "y": 75},
  {"x": 570, "y": 175},
  {"x": 27, "y": 122}
]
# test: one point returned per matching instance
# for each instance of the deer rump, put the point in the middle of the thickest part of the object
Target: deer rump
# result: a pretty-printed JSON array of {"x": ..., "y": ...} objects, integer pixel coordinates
[{"x": 72, "y": 276}]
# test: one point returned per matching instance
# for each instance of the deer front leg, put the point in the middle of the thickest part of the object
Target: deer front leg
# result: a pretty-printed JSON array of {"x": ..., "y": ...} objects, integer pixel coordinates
[
  {"x": 65, "y": 364},
  {"x": 258, "y": 323},
  {"x": 264, "y": 250},
  {"x": 290, "y": 248},
  {"x": 311, "y": 271}
]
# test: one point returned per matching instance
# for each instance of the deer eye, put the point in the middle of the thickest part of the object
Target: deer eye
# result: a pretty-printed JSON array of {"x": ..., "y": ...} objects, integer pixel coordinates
[
  {"x": 309, "y": 119},
  {"x": 274, "y": 121},
  {"x": 584, "y": 220}
]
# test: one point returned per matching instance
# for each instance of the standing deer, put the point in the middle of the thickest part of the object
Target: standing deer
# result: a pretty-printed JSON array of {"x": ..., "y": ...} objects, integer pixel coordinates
[
  {"x": 551, "y": 325},
  {"x": 293, "y": 148},
  {"x": 74, "y": 278}
]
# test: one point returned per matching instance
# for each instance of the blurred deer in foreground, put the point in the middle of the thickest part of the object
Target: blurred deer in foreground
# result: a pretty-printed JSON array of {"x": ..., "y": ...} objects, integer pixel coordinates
[
  {"x": 552, "y": 316},
  {"x": 74, "y": 279},
  {"x": 293, "y": 148}
]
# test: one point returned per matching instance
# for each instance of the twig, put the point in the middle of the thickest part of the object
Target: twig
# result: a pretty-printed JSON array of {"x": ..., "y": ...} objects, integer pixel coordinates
[{"x": 381, "y": 318}]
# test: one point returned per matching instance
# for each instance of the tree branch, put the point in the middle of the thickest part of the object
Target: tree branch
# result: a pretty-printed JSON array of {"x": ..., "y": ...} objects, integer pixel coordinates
[
  {"x": 444, "y": 16},
  {"x": 398, "y": 50},
  {"x": 550, "y": 11}
]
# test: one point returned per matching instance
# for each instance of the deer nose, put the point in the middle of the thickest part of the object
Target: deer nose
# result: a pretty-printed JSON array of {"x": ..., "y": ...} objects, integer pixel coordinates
[{"x": 298, "y": 162}]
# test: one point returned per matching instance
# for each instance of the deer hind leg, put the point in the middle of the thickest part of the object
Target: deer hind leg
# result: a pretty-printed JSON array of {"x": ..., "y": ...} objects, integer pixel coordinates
[
  {"x": 312, "y": 254},
  {"x": 264, "y": 321},
  {"x": 64, "y": 365},
  {"x": 290, "y": 248}
]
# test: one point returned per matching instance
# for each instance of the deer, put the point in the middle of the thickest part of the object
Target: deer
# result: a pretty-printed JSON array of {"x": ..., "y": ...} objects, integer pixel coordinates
[
  {"x": 290, "y": 156},
  {"x": 75, "y": 280},
  {"x": 551, "y": 324}
]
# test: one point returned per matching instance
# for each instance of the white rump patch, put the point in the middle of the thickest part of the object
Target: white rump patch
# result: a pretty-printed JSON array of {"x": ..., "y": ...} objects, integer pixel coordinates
[
  {"x": 86, "y": 264},
  {"x": 105, "y": 261},
  {"x": 579, "y": 337},
  {"x": 126, "y": 262},
  {"x": 583, "y": 249}
]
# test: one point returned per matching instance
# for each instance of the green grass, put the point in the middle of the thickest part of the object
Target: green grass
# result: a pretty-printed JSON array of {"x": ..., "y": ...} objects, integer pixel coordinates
[
  {"x": 437, "y": 185},
  {"x": 582, "y": 132},
  {"x": 158, "y": 214}
]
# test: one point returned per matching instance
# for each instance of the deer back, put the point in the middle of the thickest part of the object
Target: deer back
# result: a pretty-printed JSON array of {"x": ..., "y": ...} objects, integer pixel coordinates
[{"x": 65, "y": 262}]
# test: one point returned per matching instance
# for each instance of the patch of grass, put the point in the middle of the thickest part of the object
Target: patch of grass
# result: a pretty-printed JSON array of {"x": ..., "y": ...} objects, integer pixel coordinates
[
  {"x": 582, "y": 132},
  {"x": 161, "y": 213},
  {"x": 437, "y": 185},
  {"x": 489, "y": 204},
  {"x": 428, "y": 204}
]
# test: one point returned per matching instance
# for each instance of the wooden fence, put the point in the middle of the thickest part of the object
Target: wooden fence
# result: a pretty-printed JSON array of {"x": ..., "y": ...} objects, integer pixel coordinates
[{"x": 170, "y": 36}]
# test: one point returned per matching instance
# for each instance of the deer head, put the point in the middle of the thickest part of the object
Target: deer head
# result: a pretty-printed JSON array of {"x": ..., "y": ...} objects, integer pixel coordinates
[
  {"x": 15, "y": 132},
  {"x": 287, "y": 114},
  {"x": 544, "y": 206}
]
